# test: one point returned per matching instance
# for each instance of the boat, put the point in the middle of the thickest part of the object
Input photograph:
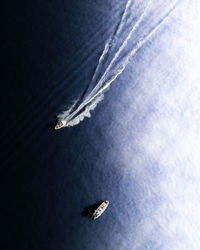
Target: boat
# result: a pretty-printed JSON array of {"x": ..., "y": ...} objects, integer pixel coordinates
[
  {"x": 98, "y": 212},
  {"x": 60, "y": 124}
]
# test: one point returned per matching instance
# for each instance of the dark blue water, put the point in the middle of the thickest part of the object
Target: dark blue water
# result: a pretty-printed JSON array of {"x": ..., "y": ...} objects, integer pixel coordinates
[
  {"x": 50, "y": 49},
  {"x": 51, "y": 180}
]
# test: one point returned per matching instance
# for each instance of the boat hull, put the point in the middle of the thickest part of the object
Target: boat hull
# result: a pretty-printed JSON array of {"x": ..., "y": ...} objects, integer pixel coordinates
[{"x": 98, "y": 212}]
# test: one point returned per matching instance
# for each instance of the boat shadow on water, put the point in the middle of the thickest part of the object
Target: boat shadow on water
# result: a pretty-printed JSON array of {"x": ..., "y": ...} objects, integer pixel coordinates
[{"x": 89, "y": 210}]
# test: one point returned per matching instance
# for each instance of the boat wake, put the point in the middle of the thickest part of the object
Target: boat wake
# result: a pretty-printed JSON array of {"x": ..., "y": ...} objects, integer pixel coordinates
[{"x": 124, "y": 53}]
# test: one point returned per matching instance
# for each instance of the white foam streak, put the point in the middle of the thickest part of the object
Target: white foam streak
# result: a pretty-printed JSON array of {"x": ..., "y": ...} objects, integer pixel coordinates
[
  {"x": 123, "y": 21},
  {"x": 103, "y": 78},
  {"x": 130, "y": 56},
  {"x": 110, "y": 43},
  {"x": 86, "y": 112},
  {"x": 96, "y": 94},
  {"x": 66, "y": 113}
]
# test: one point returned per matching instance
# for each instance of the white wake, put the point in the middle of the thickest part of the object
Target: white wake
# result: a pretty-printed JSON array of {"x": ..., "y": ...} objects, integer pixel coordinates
[{"x": 76, "y": 113}]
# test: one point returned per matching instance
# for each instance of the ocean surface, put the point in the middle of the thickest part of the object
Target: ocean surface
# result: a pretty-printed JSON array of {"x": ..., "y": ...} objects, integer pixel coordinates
[{"x": 140, "y": 149}]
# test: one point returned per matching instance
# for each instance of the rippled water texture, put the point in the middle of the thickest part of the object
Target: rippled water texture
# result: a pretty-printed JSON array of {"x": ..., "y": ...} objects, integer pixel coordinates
[
  {"x": 117, "y": 53},
  {"x": 140, "y": 148}
]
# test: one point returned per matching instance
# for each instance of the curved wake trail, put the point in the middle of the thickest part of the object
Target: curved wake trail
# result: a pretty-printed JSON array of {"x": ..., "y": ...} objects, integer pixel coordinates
[
  {"x": 107, "y": 48},
  {"x": 135, "y": 26},
  {"x": 66, "y": 114},
  {"x": 111, "y": 41},
  {"x": 71, "y": 118}
]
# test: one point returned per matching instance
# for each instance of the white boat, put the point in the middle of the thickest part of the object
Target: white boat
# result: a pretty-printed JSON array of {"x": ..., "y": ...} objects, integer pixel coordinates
[
  {"x": 60, "y": 124},
  {"x": 98, "y": 212}
]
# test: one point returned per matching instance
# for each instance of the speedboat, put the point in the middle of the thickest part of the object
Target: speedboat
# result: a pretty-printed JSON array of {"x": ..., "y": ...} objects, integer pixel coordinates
[
  {"x": 98, "y": 212},
  {"x": 60, "y": 124}
]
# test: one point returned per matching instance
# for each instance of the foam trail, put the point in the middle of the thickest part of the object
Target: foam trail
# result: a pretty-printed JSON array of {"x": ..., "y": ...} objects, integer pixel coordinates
[
  {"x": 106, "y": 50},
  {"x": 100, "y": 62},
  {"x": 104, "y": 53},
  {"x": 97, "y": 97},
  {"x": 102, "y": 80},
  {"x": 93, "y": 101},
  {"x": 133, "y": 52},
  {"x": 122, "y": 21},
  {"x": 66, "y": 113},
  {"x": 109, "y": 44},
  {"x": 111, "y": 41},
  {"x": 86, "y": 113}
]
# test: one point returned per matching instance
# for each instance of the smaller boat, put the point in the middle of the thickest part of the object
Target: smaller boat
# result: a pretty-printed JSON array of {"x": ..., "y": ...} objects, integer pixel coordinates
[
  {"x": 98, "y": 212},
  {"x": 60, "y": 124}
]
